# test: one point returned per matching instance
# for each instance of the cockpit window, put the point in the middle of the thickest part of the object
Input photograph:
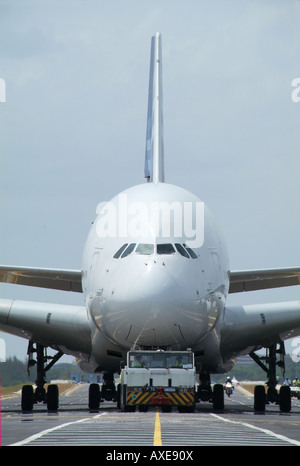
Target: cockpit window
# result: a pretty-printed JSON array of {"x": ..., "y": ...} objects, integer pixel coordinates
[
  {"x": 191, "y": 252},
  {"x": 166, "y": 248},
  {"x": 119, "y": 252},
  {"x": 129, "y": 250},
  {"x": 145, "y": 249},
  {"x": 181, "y": 250}
]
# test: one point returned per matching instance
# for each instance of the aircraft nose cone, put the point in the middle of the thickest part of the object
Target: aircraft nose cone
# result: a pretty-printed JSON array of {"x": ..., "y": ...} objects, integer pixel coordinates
[
  {"x": 144, "y": 309},
  {"x": 157, "y": 286}
]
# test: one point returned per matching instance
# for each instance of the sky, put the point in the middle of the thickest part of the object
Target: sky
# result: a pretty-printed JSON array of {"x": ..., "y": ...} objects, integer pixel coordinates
[{"x": 73, "y": 125}]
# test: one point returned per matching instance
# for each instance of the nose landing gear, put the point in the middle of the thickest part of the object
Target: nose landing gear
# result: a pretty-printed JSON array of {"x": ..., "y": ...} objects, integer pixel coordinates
[
  {"x": 206, "y": 393},
  {"x": 107, "y": 393}
]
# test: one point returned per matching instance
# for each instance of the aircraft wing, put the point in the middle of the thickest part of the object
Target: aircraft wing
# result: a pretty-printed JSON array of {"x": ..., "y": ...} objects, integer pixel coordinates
[
  {"x": 62, "y": 326},
  {"x": 251, "y": 280},
  {"x": 251, "y": 326},
  {"x": 57, "y": 279}
]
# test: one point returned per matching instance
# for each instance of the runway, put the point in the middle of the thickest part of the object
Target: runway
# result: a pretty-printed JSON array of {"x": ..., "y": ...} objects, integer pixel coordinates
[{"x": 75, "y": 425}]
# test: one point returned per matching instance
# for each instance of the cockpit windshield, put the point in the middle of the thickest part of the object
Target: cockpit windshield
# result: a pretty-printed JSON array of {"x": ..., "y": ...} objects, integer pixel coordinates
[
  {"x": 128, "y": 250},
  {"x": 119, "y": 251},
  {"x": 146, "y": 249},
  {"x": 165, "y": 249},
  {"x": 182, "y": 250},
  {"x": 191, "y": 252}
]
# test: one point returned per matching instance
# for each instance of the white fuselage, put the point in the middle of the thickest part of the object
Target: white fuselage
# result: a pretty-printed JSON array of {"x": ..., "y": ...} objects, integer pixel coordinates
[{"x": 154, "y": 296}]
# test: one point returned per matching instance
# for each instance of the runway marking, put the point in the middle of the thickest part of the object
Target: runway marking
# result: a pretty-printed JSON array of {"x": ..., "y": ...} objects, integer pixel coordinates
[
  {"x": 110, "y": 428},
  {"x": 157, "y": 431},
  {"x": 265, "y": 431},
  {"x": 71, "y": 390},
  {"x": 48, "y": 431},
  {"x": 244, "y": 391}
]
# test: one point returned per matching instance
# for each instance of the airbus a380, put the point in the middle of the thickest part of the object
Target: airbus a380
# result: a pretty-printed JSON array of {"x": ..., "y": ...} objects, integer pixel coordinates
[{"x": 155, "y": 274}]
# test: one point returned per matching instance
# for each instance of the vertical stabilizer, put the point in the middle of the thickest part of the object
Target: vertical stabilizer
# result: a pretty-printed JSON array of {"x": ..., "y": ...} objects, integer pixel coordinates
[{"x": 154, "y": 158}]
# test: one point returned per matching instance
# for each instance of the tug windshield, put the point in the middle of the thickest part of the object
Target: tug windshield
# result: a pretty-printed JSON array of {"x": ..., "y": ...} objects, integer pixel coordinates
[{"x": 161, "y": 359}]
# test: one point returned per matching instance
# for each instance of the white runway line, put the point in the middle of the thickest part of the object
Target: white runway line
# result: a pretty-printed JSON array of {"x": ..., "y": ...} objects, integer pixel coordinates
[
  {"x": 47, "y": 431},
  {"x": 265, "y": 431}
]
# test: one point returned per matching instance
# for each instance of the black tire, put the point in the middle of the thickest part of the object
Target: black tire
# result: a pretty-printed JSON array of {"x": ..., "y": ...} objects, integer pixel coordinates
[
  {"x": 218, "y": 397},
  {"x": 166, "y": 409},
  {"x": 27, "y": 398},
  {"x": 285, "y": 399},
  {"x": 130, "y": 408},
  {"x": 94, "y": 396},
  {"x": 52, "y": 398},
  {"x": 259, "y": 398},
  {"x": 143, "y": 408},
  {"x": 119, "y": 396}
]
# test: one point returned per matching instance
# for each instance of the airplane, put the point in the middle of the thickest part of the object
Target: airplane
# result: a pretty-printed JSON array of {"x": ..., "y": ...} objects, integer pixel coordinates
[{"x": 155, "y": 274}]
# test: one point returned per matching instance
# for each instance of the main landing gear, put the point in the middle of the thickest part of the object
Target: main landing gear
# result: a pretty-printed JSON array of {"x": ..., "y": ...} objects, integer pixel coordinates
[
  {"x": 269, "y": 363},
  {"x": 274, "y": 358},
  {"x": 30, "y": 396},
  {"x": 37, "y": 356}
]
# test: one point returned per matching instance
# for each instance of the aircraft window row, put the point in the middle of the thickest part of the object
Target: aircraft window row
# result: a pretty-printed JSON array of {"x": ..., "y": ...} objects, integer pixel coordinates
[{"x": 161, "y": 249}]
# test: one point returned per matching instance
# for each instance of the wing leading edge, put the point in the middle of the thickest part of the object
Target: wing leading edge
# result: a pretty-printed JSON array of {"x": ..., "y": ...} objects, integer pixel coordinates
[
  {"x": 57, "y": 279},
  {"x": 70, "y": 280},
  {"x": 251, "y": 280}
]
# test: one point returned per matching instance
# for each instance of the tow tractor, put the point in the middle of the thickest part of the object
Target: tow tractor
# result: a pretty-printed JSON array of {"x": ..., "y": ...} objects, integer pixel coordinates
[
  {"x": 158, "y": 378},
  {"x": 295, "y": 391}
]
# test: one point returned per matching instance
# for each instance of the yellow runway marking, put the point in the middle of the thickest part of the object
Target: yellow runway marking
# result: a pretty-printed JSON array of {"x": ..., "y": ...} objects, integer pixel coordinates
[
  {"x": 157, "y": 431},
  {"x": 71, "y": 390}
]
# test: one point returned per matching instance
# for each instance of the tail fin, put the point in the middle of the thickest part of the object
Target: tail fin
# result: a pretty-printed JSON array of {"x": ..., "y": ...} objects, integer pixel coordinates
[{"x": 154, "y": 157}]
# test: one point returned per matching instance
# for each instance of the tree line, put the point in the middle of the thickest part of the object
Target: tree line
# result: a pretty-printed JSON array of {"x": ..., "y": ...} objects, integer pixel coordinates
[
  {"x": 14, "y": 372},
  {"x": 253, "y": 372}
]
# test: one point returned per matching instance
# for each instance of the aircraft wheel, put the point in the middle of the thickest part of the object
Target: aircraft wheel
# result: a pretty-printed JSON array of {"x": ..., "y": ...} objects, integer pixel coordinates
[
  {"x": 259, "y": 398},
  {"x": 52, "y": 398},
  {"x": 27, "y": 398},
  {"x": 94, "y": 396},
  {"x": 285, "y": 399},
  {"x": 218, "y": 397}
]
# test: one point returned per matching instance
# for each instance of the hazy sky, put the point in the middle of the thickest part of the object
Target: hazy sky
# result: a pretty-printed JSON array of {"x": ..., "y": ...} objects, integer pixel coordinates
[{"x": 74, "y": 122}]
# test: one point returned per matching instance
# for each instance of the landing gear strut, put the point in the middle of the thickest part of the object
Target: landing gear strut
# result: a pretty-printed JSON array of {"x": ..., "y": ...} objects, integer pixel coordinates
[
  {"x": 269, "y": 363},
  {"x": 31, "y": 396},
  {"x": 205, "y": 393},
  {"x": 108, "y": 391}
]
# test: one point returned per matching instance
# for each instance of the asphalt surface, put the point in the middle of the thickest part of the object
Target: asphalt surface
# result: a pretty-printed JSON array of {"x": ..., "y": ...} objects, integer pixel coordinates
[{"x": 75, "y": 425}]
